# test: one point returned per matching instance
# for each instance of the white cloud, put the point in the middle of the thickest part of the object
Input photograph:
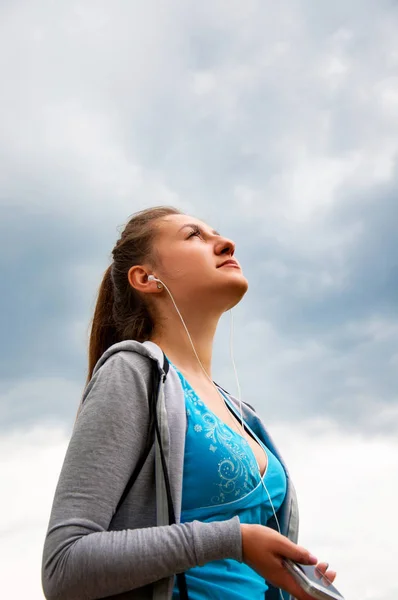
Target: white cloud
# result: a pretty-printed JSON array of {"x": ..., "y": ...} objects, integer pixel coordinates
[
  {"x": 30, "y": 461},
  {"x": 346, "y": 486}
]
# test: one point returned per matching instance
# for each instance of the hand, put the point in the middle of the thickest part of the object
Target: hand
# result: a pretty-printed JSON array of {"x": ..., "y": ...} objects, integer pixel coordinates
[{"x": 264, "y": 548}]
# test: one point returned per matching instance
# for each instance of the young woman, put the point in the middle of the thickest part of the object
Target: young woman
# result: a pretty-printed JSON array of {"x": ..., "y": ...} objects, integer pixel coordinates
[{"x": 112, "y": 531}]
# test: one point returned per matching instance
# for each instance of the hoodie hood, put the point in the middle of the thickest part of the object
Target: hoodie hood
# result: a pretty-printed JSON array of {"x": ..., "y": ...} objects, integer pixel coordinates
[{"x": 148, "y": 349}]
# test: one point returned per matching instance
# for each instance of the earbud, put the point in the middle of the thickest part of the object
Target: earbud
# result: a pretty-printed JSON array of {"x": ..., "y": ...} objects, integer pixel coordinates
[{"x": 153, "y": 278}]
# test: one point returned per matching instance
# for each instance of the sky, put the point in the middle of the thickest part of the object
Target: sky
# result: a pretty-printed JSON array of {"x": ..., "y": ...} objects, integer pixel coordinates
[{"x": 277, "y": 124}]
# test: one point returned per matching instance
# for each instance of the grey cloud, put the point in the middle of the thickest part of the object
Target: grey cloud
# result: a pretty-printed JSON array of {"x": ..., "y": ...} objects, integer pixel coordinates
[
  {"x": 43, "y": 293},
  {"x": 108, "y": 110},
  {"x": 348, "y": 373}
]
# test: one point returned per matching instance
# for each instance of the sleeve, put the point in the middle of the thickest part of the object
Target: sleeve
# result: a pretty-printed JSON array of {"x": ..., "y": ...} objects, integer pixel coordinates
[{"x": 81, "y": 558}]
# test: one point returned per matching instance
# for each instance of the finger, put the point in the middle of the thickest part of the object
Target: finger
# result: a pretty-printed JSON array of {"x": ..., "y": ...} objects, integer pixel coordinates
[
  {"x": 331, "y": 575},
  {"x": 321, "y": 569},
  {"x": 298, "y": 554},
  {"x": 327, "y": 577},
  {"x": 294, "y": 589}
]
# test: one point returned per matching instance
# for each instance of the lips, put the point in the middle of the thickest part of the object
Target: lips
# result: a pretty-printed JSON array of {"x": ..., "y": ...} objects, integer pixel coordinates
[{"x": 231, "y": 262}]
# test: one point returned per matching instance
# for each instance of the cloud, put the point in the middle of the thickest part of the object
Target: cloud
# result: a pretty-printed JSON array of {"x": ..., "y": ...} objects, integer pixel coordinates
[
  {"x": 344, "y": 484},
  {"x": 277, "y": 124},
  {"x": 348, "y": 375},
  {"x": 30, "y": 462},
  {"x": 48, "y": 400}
]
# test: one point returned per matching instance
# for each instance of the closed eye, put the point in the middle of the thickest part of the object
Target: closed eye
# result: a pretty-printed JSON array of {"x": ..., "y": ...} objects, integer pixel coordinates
[{"x": 195, "y": 231}]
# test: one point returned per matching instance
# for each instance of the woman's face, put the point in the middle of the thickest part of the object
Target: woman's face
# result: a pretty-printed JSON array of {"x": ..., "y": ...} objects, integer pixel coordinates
[{"x": 189, "y": 256}]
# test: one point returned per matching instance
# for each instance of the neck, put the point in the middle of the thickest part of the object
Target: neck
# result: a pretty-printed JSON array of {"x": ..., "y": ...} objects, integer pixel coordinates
[{"x": 172, "y": 338}]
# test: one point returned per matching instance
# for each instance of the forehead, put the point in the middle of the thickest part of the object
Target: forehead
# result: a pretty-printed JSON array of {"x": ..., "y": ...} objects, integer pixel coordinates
[{"x": 172, "y": 224}]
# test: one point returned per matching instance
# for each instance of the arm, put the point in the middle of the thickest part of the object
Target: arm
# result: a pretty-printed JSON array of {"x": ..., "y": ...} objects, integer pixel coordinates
[{"x": 82, "y": 559}]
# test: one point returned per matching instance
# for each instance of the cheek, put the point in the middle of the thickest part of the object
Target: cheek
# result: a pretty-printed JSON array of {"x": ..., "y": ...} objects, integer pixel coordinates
[
  {"x": 176, "y": 265},
  {"x": 186, "y": 263}
]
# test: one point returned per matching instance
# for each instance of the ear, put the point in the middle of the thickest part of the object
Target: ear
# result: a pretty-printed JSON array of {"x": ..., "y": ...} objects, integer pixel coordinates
[{"x": 138, "y": 279}]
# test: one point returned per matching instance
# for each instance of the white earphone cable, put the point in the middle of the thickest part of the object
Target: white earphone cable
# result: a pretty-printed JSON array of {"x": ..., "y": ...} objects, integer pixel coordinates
[
  {"x": 241, "y": 416},
  {"x": 153, "y": 278},
  {"x": 231, "y": 346}
]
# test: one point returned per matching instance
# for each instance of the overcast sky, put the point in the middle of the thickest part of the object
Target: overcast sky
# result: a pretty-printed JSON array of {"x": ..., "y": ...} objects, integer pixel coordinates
[{"x": 276, "y": 123}]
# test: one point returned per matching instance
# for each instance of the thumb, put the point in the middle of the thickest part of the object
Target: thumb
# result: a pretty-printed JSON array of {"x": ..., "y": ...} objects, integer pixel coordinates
[{"x": 299, "y": 554}]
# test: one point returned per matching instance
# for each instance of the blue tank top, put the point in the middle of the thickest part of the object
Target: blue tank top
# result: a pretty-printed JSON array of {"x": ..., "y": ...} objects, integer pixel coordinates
[{"x": 221, "y": 479}]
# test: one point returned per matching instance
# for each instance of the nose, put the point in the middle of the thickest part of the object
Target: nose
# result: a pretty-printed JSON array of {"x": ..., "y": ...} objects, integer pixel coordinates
[{"x": 225, "y": 246}]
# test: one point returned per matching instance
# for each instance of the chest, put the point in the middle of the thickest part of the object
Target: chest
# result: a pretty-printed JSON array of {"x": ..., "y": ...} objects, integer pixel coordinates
[
  {"x": 221, "y": 468},
  {"x": 209, "y": 402}
]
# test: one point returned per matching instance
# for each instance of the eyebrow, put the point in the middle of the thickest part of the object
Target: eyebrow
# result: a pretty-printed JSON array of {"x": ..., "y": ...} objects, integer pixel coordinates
[{"x": 214, "y": 232}]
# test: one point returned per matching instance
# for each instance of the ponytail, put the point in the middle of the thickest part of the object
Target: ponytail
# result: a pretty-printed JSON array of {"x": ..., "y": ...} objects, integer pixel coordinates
[
  {"x": 121, "y": 313},
  {"x": 103, "y": 329}
]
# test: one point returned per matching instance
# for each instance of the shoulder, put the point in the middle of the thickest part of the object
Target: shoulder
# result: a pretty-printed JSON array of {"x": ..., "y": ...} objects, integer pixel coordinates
[
  {"x": 123, "y": 365},
  {"x": 125, "y": 359},
  {"x": 122, "y": 378}
]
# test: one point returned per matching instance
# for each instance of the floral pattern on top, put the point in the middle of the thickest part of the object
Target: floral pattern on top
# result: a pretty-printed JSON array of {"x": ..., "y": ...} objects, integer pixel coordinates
[{"x": 228, "y": 469}]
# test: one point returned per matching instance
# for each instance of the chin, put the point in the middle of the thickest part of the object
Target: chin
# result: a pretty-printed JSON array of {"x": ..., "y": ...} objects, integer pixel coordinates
[{"x": 237, "y": 290}]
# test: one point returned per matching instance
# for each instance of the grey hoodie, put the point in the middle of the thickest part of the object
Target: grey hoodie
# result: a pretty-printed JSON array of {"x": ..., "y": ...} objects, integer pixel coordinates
[{"x": 91, "y": 550}]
